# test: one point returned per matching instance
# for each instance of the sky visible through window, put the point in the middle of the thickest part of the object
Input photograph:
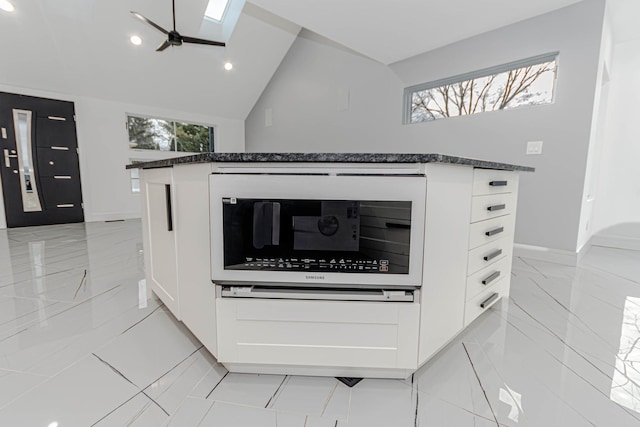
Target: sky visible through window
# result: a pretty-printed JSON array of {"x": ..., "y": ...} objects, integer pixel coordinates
[{"x": 215, "y": 9}]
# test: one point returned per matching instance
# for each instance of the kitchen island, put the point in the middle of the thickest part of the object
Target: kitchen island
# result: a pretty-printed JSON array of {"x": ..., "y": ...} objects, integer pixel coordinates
[{"x": 349, "y": 265}]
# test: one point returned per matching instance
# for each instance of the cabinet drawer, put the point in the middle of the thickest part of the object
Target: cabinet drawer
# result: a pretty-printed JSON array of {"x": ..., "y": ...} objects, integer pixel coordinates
[
  {"x": 492, "y": 206},
  {"x": 481, "y": 302},
  {"x": 489, "y": 181},
  {"x": 488, "y": 254},
  {"x": 488, "y": 276},
  {"x": 318, "y": 333},
  {"x": 483, "y": 232}
]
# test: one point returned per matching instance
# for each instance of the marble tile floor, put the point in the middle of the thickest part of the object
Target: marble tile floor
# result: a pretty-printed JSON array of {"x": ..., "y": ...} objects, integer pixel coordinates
[{"x": 80, "y": 345}]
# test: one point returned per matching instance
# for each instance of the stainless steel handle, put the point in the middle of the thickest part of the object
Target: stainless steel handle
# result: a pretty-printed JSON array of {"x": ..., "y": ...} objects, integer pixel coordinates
[
  {"x": 494, "y": 231},
  {"x": 488, "y": 301},
  {"x": 498, "y": 183},
  {"x": 8, "y": 157},
  {"x": 496, "y": 207},
  {"x": 490, "y": 278},
  {"x": 492, "y": 255}
]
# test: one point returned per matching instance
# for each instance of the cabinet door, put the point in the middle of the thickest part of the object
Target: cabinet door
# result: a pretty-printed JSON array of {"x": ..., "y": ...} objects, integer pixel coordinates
[{"x": 160, "y": 239}]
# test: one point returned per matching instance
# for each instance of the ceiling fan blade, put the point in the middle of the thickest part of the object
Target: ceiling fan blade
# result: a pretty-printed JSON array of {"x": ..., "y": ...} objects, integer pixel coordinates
[
  {"x": 163, "y": 46},
  {"x": 153, "y": 24},
  {"x": 194, "y": 40}
]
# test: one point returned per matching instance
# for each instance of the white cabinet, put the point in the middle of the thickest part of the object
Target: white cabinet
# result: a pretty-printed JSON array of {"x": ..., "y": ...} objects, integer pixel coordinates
[
  {"x": 175, "y": 229},
  {"x": 466, "y": 268},
  {"x": 330, "y": 334},
  {"x": 159, "y": 236},
  {"x": 493, "y": 209}
]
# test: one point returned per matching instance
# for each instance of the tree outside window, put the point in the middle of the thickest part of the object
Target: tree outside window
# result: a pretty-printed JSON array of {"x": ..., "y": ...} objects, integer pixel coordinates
[
  {"x": 525, "y": 85},
  {"x": 167, "y": 135}
]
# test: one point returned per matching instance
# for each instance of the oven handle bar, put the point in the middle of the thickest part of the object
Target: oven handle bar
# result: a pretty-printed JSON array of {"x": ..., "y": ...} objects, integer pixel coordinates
[{"x": 317, "y": 294}]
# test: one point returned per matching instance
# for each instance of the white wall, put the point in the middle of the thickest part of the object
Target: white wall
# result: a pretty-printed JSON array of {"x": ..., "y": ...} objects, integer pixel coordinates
[
  {"x": 597, "y": 140},
  {"x": 104, "y": 150},
  {"x": 308, "y": 109},
  {"x": 619, "y": 185}
]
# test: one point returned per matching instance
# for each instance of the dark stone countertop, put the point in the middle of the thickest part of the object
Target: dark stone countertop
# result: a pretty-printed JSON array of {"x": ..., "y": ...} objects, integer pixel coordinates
[{"x": 327, "y": 158}]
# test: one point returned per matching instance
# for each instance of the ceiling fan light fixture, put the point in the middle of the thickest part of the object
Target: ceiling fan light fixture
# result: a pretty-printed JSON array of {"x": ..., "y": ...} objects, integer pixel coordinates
[
  {"x": 228, "y": 66},
  {"x": 7, "y": 6},
  {"x": 135, "y": 40}
]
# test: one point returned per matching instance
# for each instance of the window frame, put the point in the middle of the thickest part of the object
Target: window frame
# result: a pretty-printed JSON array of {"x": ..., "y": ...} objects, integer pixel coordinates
[
  {"x": 212, "y": 133},
  {"x": 485, "y": 72}
]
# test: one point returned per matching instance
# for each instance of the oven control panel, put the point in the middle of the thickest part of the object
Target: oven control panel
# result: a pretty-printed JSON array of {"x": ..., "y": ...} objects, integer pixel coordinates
[{"x": 313, "y": 264}]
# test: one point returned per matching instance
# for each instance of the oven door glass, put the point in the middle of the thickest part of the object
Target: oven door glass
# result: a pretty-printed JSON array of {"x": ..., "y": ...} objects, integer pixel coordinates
[
  {"x": 327, "y": 236},
  {"x": 317, "y": 230}
]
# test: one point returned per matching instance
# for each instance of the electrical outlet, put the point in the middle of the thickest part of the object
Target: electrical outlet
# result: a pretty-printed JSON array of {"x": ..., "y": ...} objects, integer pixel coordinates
[{"x": 534, "y": 147}]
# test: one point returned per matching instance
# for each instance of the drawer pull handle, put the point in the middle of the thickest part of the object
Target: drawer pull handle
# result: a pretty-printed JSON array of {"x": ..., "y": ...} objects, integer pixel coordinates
[
  {"x": 496, "y": 207},
  {"x": 167, "y": 192},
  {"x": 492, "y": 255},
  {"x": 498, "y": 183},
  {"x": 490, "y": 278},
  {"x": 494, "y": 231},
  {"x": 488, "y": 301}
]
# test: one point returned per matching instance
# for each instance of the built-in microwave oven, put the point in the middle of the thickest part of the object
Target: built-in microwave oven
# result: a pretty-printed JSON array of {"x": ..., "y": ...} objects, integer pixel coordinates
[{"x": 317, "y": 230}]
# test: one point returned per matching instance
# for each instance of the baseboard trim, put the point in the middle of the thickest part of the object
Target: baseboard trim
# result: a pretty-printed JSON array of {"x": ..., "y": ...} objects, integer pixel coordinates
[
  {"x": 111, "y": 216},
  {"x": 557, "y": 256},
  {"x": 618, "y": 242}
]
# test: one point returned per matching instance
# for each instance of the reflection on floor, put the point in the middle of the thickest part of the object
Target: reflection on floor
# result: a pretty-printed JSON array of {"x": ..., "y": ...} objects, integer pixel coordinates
[{"x": 80, "y": 347}]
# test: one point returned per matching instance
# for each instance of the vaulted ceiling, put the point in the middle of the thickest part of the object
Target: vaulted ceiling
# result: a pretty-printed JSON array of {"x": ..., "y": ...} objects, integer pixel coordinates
[
  {"x": 392, "y": 30},
  {"x": 82, "y": 47}
]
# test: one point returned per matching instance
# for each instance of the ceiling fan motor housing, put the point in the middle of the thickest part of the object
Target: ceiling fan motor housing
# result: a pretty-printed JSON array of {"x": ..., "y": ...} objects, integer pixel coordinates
[{"x": 175, "y": 39}]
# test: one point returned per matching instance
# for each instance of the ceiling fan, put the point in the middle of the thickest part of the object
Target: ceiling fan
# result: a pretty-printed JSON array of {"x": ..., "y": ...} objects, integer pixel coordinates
[{"x": 174, "y": 38}]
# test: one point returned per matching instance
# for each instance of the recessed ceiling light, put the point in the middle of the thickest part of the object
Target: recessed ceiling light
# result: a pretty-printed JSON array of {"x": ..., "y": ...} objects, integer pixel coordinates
[
  {"x": 136, "y": 40},
  {"x": 55, "y": 423},
  {"x": 7, "y": 6},
  {"x": 228, "y": 66}
]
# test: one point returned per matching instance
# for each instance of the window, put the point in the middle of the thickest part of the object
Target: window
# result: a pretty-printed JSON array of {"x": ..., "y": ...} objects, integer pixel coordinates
[
  {"x": 215, "y": 9},
  {"x": 146, "y": 133},
  {"x": 527, "y": 82},
  {"x": 135, "y": 175}
]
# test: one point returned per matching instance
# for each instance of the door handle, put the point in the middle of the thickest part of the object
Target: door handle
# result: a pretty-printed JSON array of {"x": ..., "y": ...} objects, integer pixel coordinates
[{"x": 8, "y": 157}]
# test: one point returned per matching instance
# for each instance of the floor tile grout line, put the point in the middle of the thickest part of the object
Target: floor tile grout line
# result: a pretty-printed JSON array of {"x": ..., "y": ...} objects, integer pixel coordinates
[
  {"x": 286, "y": 378},
  {"x": 415, "y": 419},
  {"x": 116, "y": 370},
  {"x": 554, "y": 358},
  {"x": 181, "y": 374},
  {"x": 447, "y": 402},
  {"x": 328, "y": 399},
  {"x": 559, "y": 338},
  {"x": 480, "y": 383},
  {"x": 585, "y": 325},
  {"x": 116, "y": 408},
  {"x": 172, "y": 368},
  {"x": 82, "y": 281},
  {"x": 144, "y": 318},
  {"x": 206, "y": 413},
  {"x": 157, "y": 404},
  {"x": 217, "y": 384}
]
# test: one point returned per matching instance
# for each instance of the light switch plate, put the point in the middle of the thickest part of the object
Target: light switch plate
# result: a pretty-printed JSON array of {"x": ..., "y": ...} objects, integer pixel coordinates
[{"x": 534, "y": 147}]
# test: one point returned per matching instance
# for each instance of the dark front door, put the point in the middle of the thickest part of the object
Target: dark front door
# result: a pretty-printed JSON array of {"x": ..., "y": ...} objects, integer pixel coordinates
[{"x": 39, "y": 155}]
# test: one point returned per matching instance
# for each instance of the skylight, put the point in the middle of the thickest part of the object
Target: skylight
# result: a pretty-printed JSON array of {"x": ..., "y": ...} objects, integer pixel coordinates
[{"x": 215, "y": 9}]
